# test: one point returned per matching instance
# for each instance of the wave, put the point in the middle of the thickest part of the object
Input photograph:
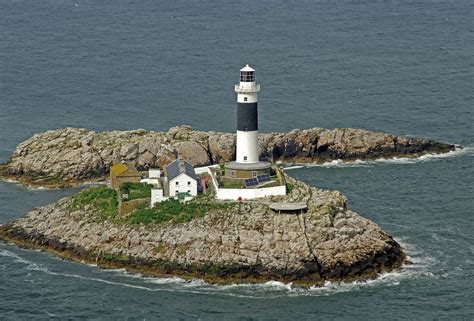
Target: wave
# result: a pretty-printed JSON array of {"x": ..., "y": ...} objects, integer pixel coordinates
[
  {"x": 458, "y": 151},
  {"x": 43, "y": 188},
  {"x": 29, "y": 187}
]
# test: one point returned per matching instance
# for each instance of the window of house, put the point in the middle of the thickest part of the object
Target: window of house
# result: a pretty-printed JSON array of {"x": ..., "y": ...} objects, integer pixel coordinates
[
  {"x": 189, "y": 191},
  {"x": 254, "y": 174},
  {"x": 177, "y": 183},
  {"x": 232, "y": 173},
  {"x": 189, "y": 183},
  {"x": 177, "y": 192}
]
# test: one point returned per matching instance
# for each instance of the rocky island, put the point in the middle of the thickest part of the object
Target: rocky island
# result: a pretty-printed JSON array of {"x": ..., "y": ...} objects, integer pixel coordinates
[
  {"x": 215, "y": 240},
  {"x": 253, "y": 224},
  {"x": 71, "y": 156},
  {"x": 220, "y": 242}
]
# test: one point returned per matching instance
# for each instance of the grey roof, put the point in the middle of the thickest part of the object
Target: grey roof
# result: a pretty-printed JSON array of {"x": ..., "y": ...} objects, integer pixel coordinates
[{"x": 178, "y": 167}]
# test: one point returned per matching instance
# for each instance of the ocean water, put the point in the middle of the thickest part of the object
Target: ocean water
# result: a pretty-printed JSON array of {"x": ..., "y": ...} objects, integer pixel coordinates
[{"x": 404, "y": 67}]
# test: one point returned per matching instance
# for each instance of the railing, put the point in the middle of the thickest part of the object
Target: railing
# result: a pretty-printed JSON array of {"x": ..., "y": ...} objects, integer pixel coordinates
[{"x": 243, "y": 89}]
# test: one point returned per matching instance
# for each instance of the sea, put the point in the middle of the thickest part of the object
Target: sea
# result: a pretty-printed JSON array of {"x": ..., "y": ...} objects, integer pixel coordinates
[{"x": 404, "y": 67}]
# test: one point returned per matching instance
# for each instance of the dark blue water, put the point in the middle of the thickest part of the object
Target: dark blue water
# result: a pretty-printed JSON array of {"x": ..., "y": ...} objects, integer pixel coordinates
[{"x": 404, "y": 67}]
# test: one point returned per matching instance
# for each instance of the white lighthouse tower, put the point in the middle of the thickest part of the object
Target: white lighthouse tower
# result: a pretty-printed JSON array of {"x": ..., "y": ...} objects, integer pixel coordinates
[
  {"x": 248, "y": 177},
  {"x": 247, "y": 117},
  {"x": 247, "y": 164}
]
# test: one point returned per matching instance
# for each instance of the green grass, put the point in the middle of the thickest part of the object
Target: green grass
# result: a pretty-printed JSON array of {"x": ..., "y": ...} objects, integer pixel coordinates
[
  {"x": 136, "y": 190},
  {"x": 104, "y": 199},
  {"x": 231, "y": 183},
  {"x": 173, "y": 211},
  {"x": 101, "y": 197},
  {"x": 289, "y": 187}
]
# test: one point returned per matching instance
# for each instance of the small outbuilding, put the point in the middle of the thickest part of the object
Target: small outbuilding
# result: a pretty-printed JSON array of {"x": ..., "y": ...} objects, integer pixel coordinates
[{"x": 123, "y": 173}]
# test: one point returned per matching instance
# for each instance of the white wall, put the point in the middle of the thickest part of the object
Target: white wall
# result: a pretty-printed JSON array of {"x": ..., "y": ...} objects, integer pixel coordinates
[
  {"x": 245, "y": 193},
  {"x": 249, "y": 193},
  {"x": 154, "y": 173},
  {"x": 202, "y": 170},
  {"x": 157, "y": 196},
  {"x": 152, "y": 181},
  {"x": 179, "y": 184}
]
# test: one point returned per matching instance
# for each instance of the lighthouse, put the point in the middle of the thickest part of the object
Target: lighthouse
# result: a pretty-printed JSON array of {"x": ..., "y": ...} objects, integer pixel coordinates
[
  {"x": 247, "y": 117},
  {"x": 247, "y": 163}
]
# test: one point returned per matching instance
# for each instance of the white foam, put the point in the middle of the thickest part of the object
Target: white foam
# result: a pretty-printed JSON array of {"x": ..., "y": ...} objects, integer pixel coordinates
[
  {"x": 459, "y": 151},
  {"x": 17, "y": 258},
  {"x": 172, "y": 280},
  {"x": 30, "y": 187},
  {"x": 292, "y": 167},
  {"x": 42, "y": 188}
]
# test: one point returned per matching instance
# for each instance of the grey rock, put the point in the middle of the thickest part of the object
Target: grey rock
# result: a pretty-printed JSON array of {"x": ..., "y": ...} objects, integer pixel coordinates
[{"x": 73, "y": 155}]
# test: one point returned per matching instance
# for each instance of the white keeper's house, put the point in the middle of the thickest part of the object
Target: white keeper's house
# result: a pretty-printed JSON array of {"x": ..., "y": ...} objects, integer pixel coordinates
[{"x": 182, "y": 179}]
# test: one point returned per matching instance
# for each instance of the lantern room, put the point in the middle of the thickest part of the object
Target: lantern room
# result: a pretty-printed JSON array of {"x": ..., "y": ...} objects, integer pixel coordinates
[{"x": 247, "y": 74}]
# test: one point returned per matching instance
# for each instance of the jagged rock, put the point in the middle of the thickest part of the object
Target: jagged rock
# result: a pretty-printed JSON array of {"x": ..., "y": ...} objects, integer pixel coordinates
[
  {"x": 73, "y": 155},
  {"x": 221, "y": 147},
  {"x": 193, "y": 152}
]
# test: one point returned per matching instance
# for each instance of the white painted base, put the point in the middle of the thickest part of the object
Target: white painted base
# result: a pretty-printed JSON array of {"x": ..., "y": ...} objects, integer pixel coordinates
[
  {"x": 244, "y": 193},
  {"x": 247, "y": 147}
]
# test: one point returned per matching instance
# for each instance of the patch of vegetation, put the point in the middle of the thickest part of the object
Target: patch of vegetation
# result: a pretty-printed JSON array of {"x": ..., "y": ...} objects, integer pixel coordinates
[
  {"x": 332, "y": 210},
  {"x": 160, "y": 248},
  {"x": 289, "y": 187},
  {"x": 101, "y": 197},
  {"x": 112, "y": 257},
  {"x": 231, "y": 183},
  {"x": 135, "y": 190},
  {"x": 173, "y": 211}
]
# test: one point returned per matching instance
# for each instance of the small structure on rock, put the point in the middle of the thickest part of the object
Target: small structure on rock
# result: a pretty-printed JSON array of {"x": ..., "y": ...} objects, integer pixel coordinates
[
  {"x": 178, "y": 180},
  {"x": 123, "y": 173},
  {"x": 289, "y": 208},
  {"x": 182, "y": 179}
]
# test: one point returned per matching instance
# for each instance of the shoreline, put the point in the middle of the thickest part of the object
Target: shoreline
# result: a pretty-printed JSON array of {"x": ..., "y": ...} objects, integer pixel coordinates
[
  {"x": 69, "y": 157},
  {"x": 151, "y": 269}
]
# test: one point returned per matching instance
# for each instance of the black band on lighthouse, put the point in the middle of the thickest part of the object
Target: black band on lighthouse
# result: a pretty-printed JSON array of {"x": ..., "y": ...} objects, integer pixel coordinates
[{"x": 247, "y": 119}]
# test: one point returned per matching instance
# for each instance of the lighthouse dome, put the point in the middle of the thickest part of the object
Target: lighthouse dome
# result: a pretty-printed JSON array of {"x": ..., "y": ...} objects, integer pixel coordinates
[{"x": 247, "y": 68}]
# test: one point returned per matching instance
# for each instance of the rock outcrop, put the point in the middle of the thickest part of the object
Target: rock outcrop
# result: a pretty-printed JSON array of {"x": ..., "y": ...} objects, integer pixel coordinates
[
  {"x": 247, "y": 242},
  {"x": 72, "y": 155}
]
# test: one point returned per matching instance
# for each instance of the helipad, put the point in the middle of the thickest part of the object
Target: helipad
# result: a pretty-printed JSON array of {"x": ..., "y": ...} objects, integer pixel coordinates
[{"x": 288, "y": 207}]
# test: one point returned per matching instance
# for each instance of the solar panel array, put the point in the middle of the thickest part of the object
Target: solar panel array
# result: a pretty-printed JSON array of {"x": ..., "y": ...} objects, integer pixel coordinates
[
  {"x": 251, "y": 182},
  {"x": 263, "y": 178}
]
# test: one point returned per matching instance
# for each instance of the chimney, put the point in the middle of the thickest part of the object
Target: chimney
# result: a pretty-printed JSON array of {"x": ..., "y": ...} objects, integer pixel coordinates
[{"x": 181, "y": 165}]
